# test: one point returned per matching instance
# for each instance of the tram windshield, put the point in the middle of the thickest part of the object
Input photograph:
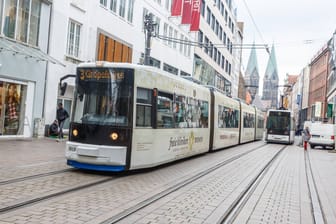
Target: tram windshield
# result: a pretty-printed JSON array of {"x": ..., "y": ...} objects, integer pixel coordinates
[
  {"x": 104, "y": 96},
  {"x": 279, "y": 122}
]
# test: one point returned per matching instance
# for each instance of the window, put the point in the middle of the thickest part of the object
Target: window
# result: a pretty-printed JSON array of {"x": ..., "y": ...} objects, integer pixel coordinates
[
  {"x": 165, "y": 32},
  {"x": 144, "y": 108},
  {"x": 175, "y": 37},
  {"x": 200, "y": 39},
  {"x": 206, "y": 45},
  {"x": 227, "y": 117},
  {"x": 181, "y": 44},
  {"x": 103, "y": 2},
  {"x": 219, "y": 55},
  {"x": 248, "y": 120},
  {"x": 112, "y": 50},
  {"x": 165, "y": 116},
  {"x": 113, "y": 6},
  {"x": 21, "y": 20},
  {"x": 176, "y": 111},
  {"x": 213, "y": 21},
  {"x": 73, "y": 39},
  {"x": 170, "y": 69},
  {"x": 203, "y": 8},
  {"x": 208, "y": 16},
  {"x": 122, "y": 8},
  {"x": 168, "y": 5},
  {"x": 215, "y": 54},
  {"x": 23, "y": 17},
  {"x": 170, "y": 36},
  {"x": 154, "y": 62},
  {"x": 223, "y": 62},
  {"x": 130, "y": 10},
  {"x": 220, "y": 33},
  {"x": 157, "y": 27},
  {"x": 185, "y": 46}
]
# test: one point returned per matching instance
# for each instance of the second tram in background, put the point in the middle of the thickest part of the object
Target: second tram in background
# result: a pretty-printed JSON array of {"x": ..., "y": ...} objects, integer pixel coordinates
[{"x": 280, "y": 127}]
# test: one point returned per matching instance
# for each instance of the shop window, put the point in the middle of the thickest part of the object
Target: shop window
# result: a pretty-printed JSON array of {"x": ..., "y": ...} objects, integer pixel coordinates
[{"x": 12, "y": 108}]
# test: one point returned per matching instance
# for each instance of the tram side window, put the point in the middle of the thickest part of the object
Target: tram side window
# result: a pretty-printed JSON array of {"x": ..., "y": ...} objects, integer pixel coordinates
[
  {"x": 190, "y": 112},
  {"x": 260, "y": 123},
  {"x": 144, "y": 107},
  {"x": 248, "y": 120},
  {"x": 227, "y": 117},
  {"x": 165, "y": 115}
]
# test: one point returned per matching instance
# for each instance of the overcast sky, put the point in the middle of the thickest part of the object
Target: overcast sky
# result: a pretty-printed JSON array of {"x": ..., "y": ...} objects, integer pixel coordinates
[{"x": 298, "y": 29}]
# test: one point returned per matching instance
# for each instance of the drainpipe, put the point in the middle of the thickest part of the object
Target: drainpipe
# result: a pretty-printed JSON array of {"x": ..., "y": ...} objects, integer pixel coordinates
[{"x": 47, "y": 65}]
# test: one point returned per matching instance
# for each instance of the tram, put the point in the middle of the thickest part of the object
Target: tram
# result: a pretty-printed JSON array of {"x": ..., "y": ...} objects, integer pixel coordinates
[
  {"x": 280, "y": 126},
  {"x": 128, "y": 116}
]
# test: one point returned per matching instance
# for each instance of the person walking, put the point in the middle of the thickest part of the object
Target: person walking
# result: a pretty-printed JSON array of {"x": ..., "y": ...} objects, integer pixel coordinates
[
  {"x": 61, "y": 116},
  {"x": 305, "y": 137}
]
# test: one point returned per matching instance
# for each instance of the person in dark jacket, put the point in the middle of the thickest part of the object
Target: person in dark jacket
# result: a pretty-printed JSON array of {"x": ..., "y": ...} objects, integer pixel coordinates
[{"x": 61, "y": 116}]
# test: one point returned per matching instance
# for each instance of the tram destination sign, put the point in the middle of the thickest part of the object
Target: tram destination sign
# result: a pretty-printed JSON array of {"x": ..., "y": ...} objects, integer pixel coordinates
[{"x": 100, "y": 74}]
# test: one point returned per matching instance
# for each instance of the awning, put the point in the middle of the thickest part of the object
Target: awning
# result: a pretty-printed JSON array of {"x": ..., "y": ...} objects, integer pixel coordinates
[{"x": 26, "y": 51}]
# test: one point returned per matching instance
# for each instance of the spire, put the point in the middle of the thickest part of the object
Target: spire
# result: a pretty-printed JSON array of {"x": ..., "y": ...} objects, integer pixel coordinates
[
  {"x": 271, "y": 81},
  {"x": 252, "y": 73},
  {"x": 252, "y": 64},
  {"x": 272, "y": 69}
]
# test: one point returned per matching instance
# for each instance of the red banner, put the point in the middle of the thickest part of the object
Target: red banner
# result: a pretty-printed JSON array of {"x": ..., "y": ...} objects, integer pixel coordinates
[
  {"x": 186, "y": 15},
  {"x": 195, "y": 15},
  {"x": 176, "y": 8}
]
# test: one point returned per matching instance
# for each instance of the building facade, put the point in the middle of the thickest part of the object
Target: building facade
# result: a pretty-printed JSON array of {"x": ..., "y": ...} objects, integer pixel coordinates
[
  {"x": 317, "y": 101},
  {"x": 24, "y": 40},
  {"x": 113, "y": 30},
  {"x": 214, "y": 58}
]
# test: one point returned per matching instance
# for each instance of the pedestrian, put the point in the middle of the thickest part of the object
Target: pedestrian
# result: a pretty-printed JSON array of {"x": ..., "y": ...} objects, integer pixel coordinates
[
  {"x": 61, "y": 116},
  {"x": 305, "y": 137}
]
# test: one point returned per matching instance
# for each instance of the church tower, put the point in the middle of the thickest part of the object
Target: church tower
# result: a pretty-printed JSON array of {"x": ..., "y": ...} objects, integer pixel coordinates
[
  {"x": 252, "y": 74},
  {"x": 271, "y": 81}
]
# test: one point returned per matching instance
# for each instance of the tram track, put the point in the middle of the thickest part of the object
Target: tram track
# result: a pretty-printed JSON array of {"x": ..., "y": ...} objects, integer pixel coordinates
[
  {"x": 33, "y": 201},
  {"x": 236, "y": 207},
  {"x": 30, "y": 177},
  {"x": 316, "y": 206},
  {"x": 132, "y": 210}
]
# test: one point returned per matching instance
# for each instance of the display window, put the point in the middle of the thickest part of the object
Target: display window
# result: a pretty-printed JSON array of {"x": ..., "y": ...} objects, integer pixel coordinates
[{"x": 12, "y": 108}]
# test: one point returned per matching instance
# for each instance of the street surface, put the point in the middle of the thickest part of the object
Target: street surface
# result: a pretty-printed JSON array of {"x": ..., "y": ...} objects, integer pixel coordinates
[{"x": 250, "y": 183}]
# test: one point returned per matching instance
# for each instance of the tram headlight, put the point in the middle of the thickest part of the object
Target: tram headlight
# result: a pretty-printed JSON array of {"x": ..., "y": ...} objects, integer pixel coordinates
[
  {"x": 114, "y": 136},
  {"x": 75, "y": 132}
]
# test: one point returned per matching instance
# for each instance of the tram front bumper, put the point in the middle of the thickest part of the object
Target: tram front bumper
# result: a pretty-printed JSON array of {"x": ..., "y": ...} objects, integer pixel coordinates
[{"x": 96, "y": 154}]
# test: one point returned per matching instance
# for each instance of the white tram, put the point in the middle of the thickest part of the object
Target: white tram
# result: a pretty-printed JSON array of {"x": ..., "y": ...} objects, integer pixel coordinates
[
  {"x": 128, "y": 116},
  {"x": 280, "y": 126}
]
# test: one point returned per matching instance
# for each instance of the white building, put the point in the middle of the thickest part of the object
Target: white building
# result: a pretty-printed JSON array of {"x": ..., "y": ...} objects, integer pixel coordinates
[
  {"x": 24, "y": 37},
  {"x": 215, "y": 58},
  {"x": 111, "y": 30}
]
